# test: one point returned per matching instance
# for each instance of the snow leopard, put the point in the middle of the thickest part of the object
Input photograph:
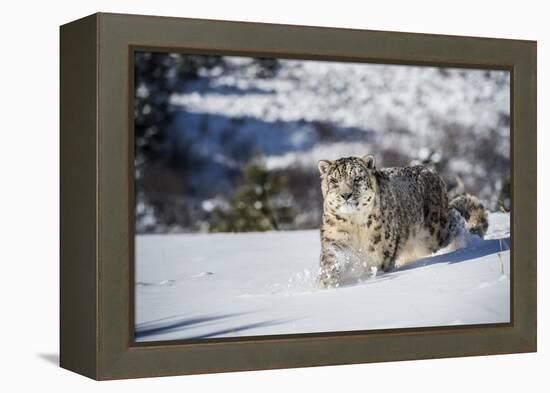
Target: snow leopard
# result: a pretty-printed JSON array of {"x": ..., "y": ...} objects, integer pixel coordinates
[{"x": 384, "y": 218}]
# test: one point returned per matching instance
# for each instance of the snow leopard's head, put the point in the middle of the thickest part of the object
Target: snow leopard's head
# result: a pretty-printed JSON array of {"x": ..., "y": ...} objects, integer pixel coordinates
[{"x": 348, "y": 184}]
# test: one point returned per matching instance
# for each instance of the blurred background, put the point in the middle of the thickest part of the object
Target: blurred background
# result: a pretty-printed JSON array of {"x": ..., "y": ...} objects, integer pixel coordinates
[{"x": 231, "y": 144}]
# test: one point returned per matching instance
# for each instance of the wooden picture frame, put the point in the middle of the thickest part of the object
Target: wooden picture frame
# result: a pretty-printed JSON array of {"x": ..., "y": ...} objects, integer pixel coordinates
[{"x": 97, "y": 196}]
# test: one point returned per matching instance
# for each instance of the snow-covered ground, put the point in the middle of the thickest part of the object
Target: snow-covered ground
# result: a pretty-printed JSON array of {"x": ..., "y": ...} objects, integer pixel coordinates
[{"x": 191, "y": 286}]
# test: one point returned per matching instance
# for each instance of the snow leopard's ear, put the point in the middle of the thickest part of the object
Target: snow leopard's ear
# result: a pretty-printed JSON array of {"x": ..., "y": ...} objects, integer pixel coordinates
[
  {"x": 323, "y": 166},
  {"x": 369, "y": 160}
]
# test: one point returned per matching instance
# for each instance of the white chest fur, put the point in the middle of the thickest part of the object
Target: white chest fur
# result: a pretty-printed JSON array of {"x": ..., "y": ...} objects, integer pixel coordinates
[{"x": 361, "y": 245}]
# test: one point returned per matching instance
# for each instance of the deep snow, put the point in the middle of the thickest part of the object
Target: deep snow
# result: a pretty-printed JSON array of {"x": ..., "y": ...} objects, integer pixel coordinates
[{"x": 192, "y": 286}]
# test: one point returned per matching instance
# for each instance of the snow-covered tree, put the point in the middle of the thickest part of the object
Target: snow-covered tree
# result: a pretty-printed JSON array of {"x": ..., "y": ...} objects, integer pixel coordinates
[{"x": 258, "y": 203}]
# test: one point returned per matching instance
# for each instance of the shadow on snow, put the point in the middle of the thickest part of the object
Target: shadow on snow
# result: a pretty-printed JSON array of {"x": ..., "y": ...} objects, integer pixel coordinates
[
  {"x": 478, "y": 249},
  {"x": 169, "y": 325}
]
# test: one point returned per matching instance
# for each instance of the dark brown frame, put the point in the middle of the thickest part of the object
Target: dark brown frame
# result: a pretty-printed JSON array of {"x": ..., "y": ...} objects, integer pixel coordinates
[{"x": 97, "y": 196}]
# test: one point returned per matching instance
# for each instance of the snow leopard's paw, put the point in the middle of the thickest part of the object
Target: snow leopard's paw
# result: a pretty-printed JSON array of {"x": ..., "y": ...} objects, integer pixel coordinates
[{"x": 327, "y": 280}]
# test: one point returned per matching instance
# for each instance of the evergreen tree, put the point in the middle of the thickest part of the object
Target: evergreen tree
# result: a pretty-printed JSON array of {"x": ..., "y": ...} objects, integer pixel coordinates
[
  {"x": 504, "y": 198},
  {"x": 156, "y": 76},
  {"x": 257, "y": 204}
]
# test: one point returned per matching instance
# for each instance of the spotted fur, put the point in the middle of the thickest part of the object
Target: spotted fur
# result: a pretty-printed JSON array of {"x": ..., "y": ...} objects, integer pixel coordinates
[
  {"x": 473, "y": 212},
  {"x": 385, "y": 218}
]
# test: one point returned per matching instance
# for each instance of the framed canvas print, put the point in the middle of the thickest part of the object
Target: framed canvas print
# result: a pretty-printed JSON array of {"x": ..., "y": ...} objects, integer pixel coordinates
[{"x": 240, "y": 196}]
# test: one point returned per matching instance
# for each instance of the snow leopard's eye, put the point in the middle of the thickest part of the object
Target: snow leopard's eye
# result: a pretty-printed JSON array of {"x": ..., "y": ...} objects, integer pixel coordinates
[
  {"x": 358, "y": 179},
  {"x": 333, "y": 180}
]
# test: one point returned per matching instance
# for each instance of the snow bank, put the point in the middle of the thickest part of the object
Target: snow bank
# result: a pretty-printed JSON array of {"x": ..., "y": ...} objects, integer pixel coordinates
[{"x": 226, "y": 285}]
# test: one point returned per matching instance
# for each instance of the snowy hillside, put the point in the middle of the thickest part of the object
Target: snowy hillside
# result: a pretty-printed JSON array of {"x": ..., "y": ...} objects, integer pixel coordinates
[
  {"x": 205, "y": 118},
  {"x": 385, "y": 98},
  {"x": 226, "y": 285},
  {"x": 312, "y": 110}
]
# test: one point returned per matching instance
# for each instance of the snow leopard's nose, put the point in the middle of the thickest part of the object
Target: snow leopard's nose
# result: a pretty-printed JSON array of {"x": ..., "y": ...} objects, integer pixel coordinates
[{"x": 346, "y": 195}]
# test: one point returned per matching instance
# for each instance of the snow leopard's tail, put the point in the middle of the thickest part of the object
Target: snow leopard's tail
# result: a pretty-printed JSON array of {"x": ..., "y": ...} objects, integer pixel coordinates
[{"x": 473, "y": 212}]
